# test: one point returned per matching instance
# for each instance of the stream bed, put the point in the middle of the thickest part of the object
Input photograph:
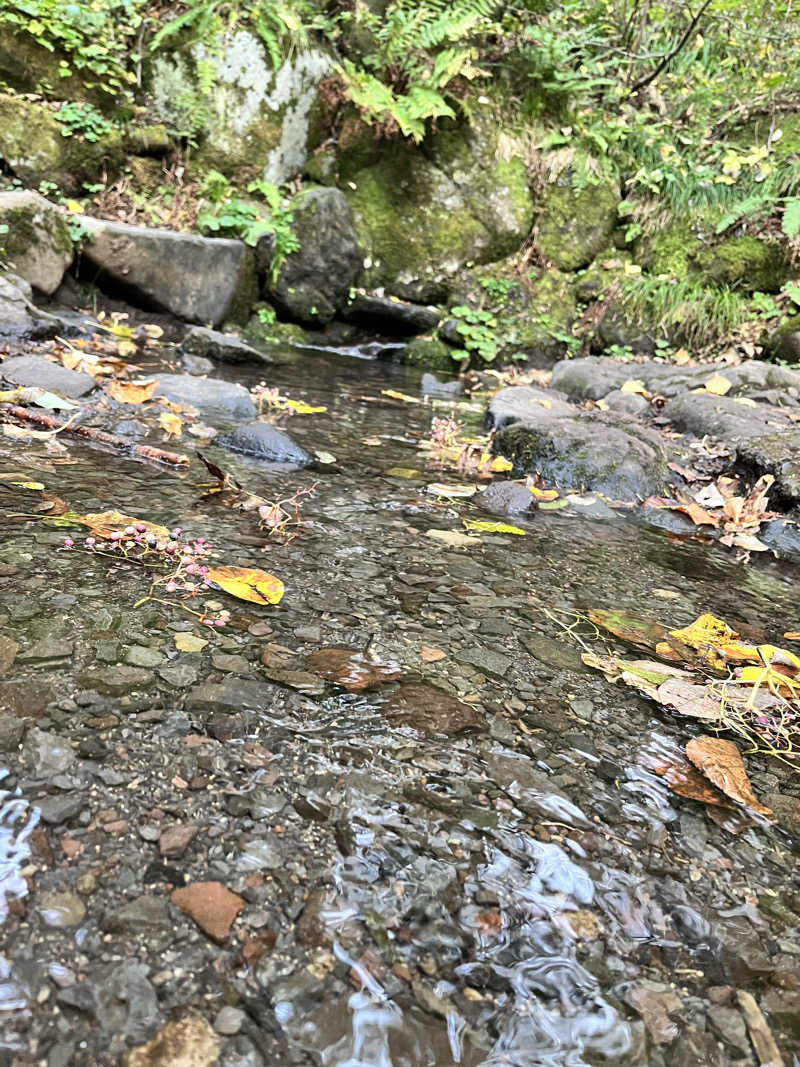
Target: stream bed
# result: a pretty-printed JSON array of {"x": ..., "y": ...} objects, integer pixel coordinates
[{"x": 405, "y": 888}]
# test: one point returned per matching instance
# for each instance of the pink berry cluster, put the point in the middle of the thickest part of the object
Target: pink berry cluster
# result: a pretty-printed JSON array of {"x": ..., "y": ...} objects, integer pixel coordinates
[
  {"x": 445, "y": 431},
  {"x": 182, "y": 560},
  {"x": 269, "y": 397}
]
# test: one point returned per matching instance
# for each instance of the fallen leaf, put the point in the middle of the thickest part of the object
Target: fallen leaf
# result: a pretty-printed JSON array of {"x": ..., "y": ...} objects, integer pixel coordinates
[
  {"x": 104, "y": 523},
  {"x": 247, "y": 583},
  {"x": 690, "y": 699},
  {"x": 666, "y": 594},
  {"x": 686, "y": 781},
  {"x": 745, "y": 401},
  {"x": 352, "y": 670},
  {"x": 441, "y": 489},
  {"x": 301, "y": 408},
  {"x": 792, "y": 635},
  {"x": 552, "y": 505},
  {"x": 699, "y": 515},
  {"x": 454, "y": 538},
  {"x": 132, "y": 392},
  {"x": 632, "y": 628},
  {"x": 717, "y": 384},
  {"x": 500, "y": 464},
  {"x": 371, "y": 442},
  {"x": 325, "y": 457},
  {"x": 681, "y": 356},
  {"x": 393, "y": 393},
  {"x": 721, "y": 762},
  {"x": 710, "y": 497},
  {"x": 746, "y": 541},
  {"x": 431, "y": 655},
  {"x": 404, "y": 472},
  {"x": 634, "y": 385},
  {"x": 484, "y": 526},
  {"x": 544, "y": 494},
  {"x": 186, "y": 642},
  {"x": 170, "y": 423}
]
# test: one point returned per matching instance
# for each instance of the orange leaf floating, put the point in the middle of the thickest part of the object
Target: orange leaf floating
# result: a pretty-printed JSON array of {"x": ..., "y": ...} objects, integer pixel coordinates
[
  {"x": 721, "y": 762},
  {"x": 132, "y": 392},
  {"x": 248, "y": 583}
]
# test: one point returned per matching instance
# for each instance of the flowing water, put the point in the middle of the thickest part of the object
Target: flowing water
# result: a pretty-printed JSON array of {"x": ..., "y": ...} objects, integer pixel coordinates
[{"x": 522, "y": 894}]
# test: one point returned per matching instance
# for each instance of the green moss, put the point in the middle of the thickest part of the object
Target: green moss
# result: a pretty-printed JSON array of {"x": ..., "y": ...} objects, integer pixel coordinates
[
  {"x": 574, "y": 226},
  {"x": 276, "y": 333},
  {"x": 430, "y": 354},
  {"x": 670, "y": 250},
  {"x": 745, "y": 263},
  {"x": 152, "y": 140}
]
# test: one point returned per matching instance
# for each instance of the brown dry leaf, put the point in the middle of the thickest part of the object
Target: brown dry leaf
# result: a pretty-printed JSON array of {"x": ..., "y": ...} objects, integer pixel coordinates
[
  {"x": 688, "y": 699},
  {"x": 721, "y": 762},
  {"x": 132, "y": 392},
  {"x": 734, "y": 821},
  {"x": 431, "y": 655},
  {"x": 699, "y": 515},
  {"x": 686, "y": 781},
  {"x": 170, "y": 423},
  {"x": 750, "y": 510},
  {"x": 247, "y": 583},
  {"x": 104, "y": 523},
  {"x": 371, "y": 442},
  {"x": 351, "y": 669},
  {"x": 792, "y": 635}
]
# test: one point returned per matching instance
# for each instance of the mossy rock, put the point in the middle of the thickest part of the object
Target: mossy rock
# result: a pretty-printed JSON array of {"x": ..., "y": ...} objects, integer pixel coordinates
[
  {"x": 424, "y": 213},
  {"x": 151, "y": 140},
  {"x": 670, "y": 250},
  {"x": 34, "y": 148},
  {"x": 745, "y": 263},
  {"x": 37, "y": 244},
  {"x": 429, "y": 353},
  {"x": 27, "y": 66},
  {"x": 576, "y": 224},
  {"x": 276, "y": 333},
  {"x": 784, "y": 342}
]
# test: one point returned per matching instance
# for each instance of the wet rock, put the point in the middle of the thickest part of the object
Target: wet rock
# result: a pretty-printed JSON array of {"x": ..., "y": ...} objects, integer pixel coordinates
[
  {"x": 142, "y": 656},
  {"x": 40, "y": 372},
  {"x": 730, "y": 1028},
  {"x": 116, "y": 681},
  {"x": 12, "y": 730},
  {"x": 213, "y": 398},
  {"x": 743, "y": 952},
  {"x": 196, "y": 364},
  {"x": 60, "y": 808},
  {"x": 694, "y": 1048},
  {"x": 390, "y": 315},
  {"x": 484, "y": 660},
  {"x": 49, "y": 648},
  {"x": 37, "y": 241},
  {"x": 267, "y": 442},
  {"x": 787, "y": 811},
  {"x": 139, "y": 916},
  {"x": 220, "y": 347},
  {"x": 229, "y": 1021},
  {"x": 174, "y": 841},
  {"x": 131, "y": 428},
  {"x": 313, "y": 283},
  {"x": 588, "y": 450},
  {"x": 520, "y": 403},
  {"x": 178, "y": 675},
  {"x": 46, "y": 755},
  {"x": 120, "y": 999},
  {"x": 61, "y": 909},
  {"x": 431, "y": 386},
  {"x": 231, "y": 695},
  {"x": 211, "y": 906},
  {"x": 186, "y": 1042},
  {"x": 656, "y": 1003},
  {"x": 782, "y": 1007},
  {"x": 18, "y": 319},
  {"x": 199, "y": 279},
  {"x": 506, "y": 498},
  {"x": 428, "y": 709}
]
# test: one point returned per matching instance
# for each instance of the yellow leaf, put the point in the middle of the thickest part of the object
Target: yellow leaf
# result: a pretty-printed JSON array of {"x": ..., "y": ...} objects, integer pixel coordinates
[
  {"x": 500, "y": 464},
  {"x": 634, "y": 385},
  {"x": 247, "y": 583},
  {"x": 126, "y": 348},
  {"x": 544, "y": 494},
  {"x": 493, "y": 527},
  {"x": 104, "y": 523},
  {"x": 403, "y": 472},
  {"x": 170, "y": 423},
  {"x": 10, "y": 394},
  {"x": 680, "y": 357},
  {"x": 302, "y": 408},
  {"x": 400, "y": 396},
  {"x": 718, "y": 384},
  {"x": 132, "y": 392},
  {"x": 745, "y": 401},
  {"x": 73, "y": 207},
  {"x": 189, "y": 643}
]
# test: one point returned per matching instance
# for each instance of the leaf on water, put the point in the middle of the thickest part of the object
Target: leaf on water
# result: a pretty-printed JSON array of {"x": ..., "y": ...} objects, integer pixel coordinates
[
  {"x": 484, "y": 526},
  {"x": 371, "y": 442},
  {"x": 717, "y": 384},
  {"x": 552, "y": 505},
  {"x": 19, "y": 479},
  {"x": 104, "y": 523},
  {"x": 635, "y": 629},
  {"x": 43, "y": 399},
  {"x": 9, "y": 395},
  {"x": 698, "y": 514},
  {"x": 301, "y": 408},
  {"x": 500, "y": 464},
  {"x": 686, "y": 781},
  {"x": 746, "y": 541},
  {"x": 705, "y": 636},
  {"x": 442, "y": 489},
  {"x": 454, "y": 538},
  {"x": 431, "y": 655},
  {"x": 351, "y": 669},
  {"x": 132, "y": 392},
  {"x": 325, "y": 457},
  {"x": 634, "y": 385},
  {"x": 745, "y": 401},
  {"x": 170, "y": 423},
  {"x": 394, "y": 395},
  {"x": 185, "y": 642},
  {"x": 690, "y": 699},
  {"x": 666, "y": 594},
  {"x": 404, "y": 472},
  {"x": 792, "y": 635},
  {"x": 247, "y": 583},
  {"x": 721, "y": 762},
  {"x": 544, "y": 494}
]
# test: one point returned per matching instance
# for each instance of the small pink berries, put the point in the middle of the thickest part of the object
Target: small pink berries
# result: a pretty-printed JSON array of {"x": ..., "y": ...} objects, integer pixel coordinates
[
  {"x": 89, "y": 542},
  {"x": 68, "y": 542}
]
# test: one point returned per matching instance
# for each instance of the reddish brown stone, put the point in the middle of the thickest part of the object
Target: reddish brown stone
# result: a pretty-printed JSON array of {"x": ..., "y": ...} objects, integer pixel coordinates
[
  {"x": 211, "y": 906},
  {"x": 176, "y": 839}
]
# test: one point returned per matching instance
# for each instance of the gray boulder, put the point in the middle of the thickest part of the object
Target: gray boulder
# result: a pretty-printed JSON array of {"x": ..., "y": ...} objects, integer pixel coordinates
[
  {"x": 784, "y": 343},
  {"x": 267, "y": 442},
  {"x": 37, "y": 245},
  {"x": 391, "y": 315},
  {"x": 220, "y": 347},
  {"x": 580, "y": 450},
  {"x": 313, "y": 283},
  {"x": 214, "y": 399},
  {"x": 506, "y": 498},
  {"x": 200, "y": 279},
  {"x": 17, "y": 315},
  {"x": 40, "y": 372}
]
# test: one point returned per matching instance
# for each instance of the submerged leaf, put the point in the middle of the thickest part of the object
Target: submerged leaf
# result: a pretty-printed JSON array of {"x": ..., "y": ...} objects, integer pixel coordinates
[
  {"x": 454, "y": 538},
  {"x": 301, "y": 408},
  {"x": 247, "y": 583},
  {"x": 104, "y": 523},
  {"x": 132, "y": 392},
  {"x": 688, "y": 698},
  {"x": 721, "y": 762},
  {"x": 442, "y": 489},
  {"x": 351, "y": 669},
  {"x": 484, "y": 526},
  {"x": 632, "y": 628}
]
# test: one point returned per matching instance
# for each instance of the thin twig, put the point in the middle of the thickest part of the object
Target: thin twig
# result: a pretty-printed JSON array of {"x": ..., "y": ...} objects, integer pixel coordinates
[{"x": 643, "y": 82}]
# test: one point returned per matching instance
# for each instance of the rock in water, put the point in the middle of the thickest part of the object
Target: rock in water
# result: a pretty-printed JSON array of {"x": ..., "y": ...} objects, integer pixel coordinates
[
  {"x": 220, "y": 347},
  {"x": 428, "y": 709},
  {"x": 214, "y": 399},
  {"x": 266, "y": 442},
  {"x": 200, "y": 279}
]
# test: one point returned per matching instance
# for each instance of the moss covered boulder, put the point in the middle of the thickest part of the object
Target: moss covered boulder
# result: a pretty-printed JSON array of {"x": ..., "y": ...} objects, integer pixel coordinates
[
  {"x": 34, "y": 148},
  {"x": 746, "y": 263},
  {"x": 37, "y": 244},
  {"x": 430, "y": 353},
  {"x": 671, "y": 248},
  {"x": 424, "y": 213},
  {"x": 250, "y": 120},
  {"x": 578, "y": 218}
]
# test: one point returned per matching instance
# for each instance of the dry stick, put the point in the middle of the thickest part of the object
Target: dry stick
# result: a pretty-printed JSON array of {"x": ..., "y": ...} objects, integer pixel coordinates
[
  {"x": 91, "y": 434},
  {"x": 642, "y": 82},
  {"x": 760, "y": 1034}
]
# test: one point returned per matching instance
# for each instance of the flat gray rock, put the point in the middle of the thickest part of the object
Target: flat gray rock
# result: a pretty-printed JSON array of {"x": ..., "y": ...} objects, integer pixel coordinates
[
  {"x": 266, "y": 442},
  {"x": 200, "y": 279},
  {"x": 388, "y": 313},
  {"x": 213, "y": 398},
  {"x": 521, "y": 403},
  {"x": 40, "y": 372},
  {"x": 220, "y": 347},
  {"x": 506, "y": 498}
]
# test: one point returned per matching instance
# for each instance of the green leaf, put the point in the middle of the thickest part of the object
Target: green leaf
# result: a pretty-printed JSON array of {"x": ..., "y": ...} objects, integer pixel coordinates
[{"x": 790, "y": 223}]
